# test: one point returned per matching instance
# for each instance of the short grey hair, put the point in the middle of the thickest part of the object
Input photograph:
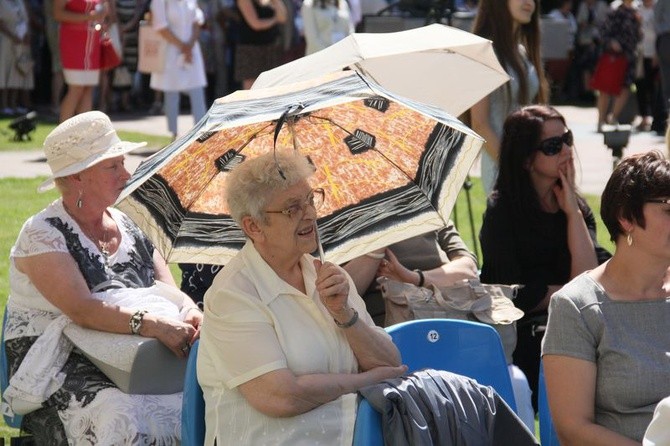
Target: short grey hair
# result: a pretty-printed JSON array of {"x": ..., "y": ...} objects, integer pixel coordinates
[{"x": 251, "y": 185}]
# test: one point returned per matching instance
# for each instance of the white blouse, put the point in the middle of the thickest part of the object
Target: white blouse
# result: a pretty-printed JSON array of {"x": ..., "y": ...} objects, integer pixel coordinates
[
  {"x": 256, "y": 323},
  {"x": 325, "y": 26}
]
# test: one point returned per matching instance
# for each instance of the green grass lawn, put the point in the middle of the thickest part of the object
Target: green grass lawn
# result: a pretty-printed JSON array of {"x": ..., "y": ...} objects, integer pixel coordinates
[
  {"x": 20, "y": 200},
  {"x": 44, "y": 127}
]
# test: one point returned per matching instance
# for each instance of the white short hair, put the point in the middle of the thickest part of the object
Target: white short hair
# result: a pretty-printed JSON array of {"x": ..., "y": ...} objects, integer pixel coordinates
[{"x": 250, "y": 186}]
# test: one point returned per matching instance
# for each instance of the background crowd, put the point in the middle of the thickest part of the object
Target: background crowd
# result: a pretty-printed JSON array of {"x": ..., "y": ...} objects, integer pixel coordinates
[
  {"x": 32, "y": 70},
  {"x": 537, "y": 230}
]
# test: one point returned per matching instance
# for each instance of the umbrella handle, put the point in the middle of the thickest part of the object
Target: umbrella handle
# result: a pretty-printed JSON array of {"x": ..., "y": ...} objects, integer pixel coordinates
[{"x": 322, "y": 255}]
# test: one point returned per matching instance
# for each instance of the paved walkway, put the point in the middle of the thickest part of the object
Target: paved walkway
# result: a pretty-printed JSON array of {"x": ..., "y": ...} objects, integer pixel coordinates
[
  {"x": 594, "y": 159},
  {"x": 31, "y": 163}
]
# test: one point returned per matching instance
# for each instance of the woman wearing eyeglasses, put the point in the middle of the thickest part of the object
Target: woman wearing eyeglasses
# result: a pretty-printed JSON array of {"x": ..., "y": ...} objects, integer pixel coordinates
[
  {"x": 286, "y": 341},
  {"x": 537, "y": 230},
  {"x": 606, "y": 352}
]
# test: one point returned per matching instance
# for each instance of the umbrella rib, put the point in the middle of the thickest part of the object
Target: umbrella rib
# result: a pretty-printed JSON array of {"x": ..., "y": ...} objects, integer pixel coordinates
[{"x": 362, "y": 75}]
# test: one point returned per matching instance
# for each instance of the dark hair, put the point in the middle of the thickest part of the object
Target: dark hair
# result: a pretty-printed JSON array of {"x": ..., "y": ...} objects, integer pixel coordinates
[
  {"x": 522, "y": 133},
  {"x": 494, "y": 22},
  {"x": 635, "y": 180}
]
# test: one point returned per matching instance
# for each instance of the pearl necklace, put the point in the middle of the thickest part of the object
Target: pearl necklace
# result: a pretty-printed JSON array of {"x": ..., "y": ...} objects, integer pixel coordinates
[{"x": 104, "y": 248}]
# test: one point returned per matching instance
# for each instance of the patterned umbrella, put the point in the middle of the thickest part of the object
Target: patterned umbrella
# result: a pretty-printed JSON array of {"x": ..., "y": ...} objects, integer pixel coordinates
[{"x": 391, "y": 167}]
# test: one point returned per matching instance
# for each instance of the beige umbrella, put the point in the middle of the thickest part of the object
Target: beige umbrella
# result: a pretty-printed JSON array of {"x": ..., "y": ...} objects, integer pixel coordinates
[{"x": 436, "y": 64}]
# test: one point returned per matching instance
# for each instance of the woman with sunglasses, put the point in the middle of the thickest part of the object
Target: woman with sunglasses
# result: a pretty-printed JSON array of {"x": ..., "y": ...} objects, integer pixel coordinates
[
  {"x": 286, "y": 340},
  {"x": 609, "y": 326},
  {"x": 537, "y": 230}
]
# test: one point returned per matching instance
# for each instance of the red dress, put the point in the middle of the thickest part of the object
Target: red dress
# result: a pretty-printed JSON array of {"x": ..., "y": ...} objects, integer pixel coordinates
[{"x": 80, "y": 44}]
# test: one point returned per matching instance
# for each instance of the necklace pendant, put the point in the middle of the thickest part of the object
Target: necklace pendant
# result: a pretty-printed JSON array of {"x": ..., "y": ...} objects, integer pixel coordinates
[{"x": 105, "y": 256}]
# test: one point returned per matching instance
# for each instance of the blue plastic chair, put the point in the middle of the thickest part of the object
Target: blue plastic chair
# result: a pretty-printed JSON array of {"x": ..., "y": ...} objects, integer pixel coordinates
[
  {"x": 193, "y": 404},
  {"x": 468, "y": 348},
  {"x": 548, "y": 436},
  {"x": 368, "y": 427},
  {"x": 11, "y": 421}
]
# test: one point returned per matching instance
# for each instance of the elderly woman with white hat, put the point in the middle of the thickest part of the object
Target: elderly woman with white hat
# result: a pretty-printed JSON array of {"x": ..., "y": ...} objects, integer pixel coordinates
[{"x": 77, "y": 246}]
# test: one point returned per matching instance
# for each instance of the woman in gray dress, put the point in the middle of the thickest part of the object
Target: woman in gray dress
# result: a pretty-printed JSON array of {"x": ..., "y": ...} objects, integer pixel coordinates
[{"x": 606, "y": 350}]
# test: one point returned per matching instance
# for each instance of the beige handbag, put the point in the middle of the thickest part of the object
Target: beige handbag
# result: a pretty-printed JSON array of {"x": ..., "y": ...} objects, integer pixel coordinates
[
  {"x": 136, "y": 364},
  {"x": 151, "y": 50},
  {"x": 468, "y": 299}
]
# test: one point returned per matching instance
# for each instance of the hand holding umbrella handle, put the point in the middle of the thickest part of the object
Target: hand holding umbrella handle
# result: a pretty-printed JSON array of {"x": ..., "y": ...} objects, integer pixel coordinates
[{"x": 332, "y": 284}]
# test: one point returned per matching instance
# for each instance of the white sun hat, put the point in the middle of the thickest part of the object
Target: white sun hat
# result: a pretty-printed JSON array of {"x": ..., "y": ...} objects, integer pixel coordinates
[{"x": 80, "y": 142}]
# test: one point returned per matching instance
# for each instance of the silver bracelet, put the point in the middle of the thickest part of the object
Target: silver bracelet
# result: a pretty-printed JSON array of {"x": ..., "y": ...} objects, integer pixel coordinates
[
  {"x": 186, "y": 311},
  {"x": 135, "y": 322},
  {"x": 349, "y": 323}
]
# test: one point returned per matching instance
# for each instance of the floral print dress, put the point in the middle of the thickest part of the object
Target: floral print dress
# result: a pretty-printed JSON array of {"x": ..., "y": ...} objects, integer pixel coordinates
[{"x": 87, "y": 408}]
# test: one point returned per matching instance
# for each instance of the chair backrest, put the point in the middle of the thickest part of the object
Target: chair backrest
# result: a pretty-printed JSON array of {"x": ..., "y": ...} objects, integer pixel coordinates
[
  {"x": 468, "y": 348},
  {"x": 548, "y": 436},
  {"x": 15, "y": 420},
  {"x": 193, "y": 404}
]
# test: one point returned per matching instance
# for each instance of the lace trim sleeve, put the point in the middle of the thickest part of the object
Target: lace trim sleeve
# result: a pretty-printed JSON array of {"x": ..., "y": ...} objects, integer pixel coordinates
[{"x": 38, "y": 237}]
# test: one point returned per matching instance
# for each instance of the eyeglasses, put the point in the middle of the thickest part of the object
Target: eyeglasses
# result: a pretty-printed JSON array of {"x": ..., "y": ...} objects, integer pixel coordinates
[
  {"x": 297, "y": 210},
  {"x": 553, "y": 146},
  {"x": 659, "y": 200}
]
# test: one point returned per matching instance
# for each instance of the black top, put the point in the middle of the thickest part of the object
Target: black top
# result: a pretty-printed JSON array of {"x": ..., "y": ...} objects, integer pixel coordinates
[
  {"x": 196, "y": 278},
  {"x": 250, "y": 36},
  {"x": 529, "y": 249}
]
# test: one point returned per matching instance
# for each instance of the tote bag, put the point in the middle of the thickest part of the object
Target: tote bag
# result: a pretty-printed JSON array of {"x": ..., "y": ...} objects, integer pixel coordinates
[
  {"x": 136, "y": 364},
  {"x": 468, "y": 299},
  {"x": 609, "y": 74},
  {"x": 151, "y": 50}
]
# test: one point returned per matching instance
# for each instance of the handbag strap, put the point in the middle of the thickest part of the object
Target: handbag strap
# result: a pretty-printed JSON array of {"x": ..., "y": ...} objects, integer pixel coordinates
[
  {"x": 477, "y": 288},
  {"x": 439, "y": 298}
]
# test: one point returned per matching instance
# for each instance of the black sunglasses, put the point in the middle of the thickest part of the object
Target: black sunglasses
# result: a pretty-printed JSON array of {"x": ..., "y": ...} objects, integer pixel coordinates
[{"x": 552, "y": 146}]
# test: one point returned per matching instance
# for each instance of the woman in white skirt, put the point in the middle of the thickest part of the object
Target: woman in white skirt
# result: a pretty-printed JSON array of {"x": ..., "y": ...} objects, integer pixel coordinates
[{"x": 178, "y": 22}]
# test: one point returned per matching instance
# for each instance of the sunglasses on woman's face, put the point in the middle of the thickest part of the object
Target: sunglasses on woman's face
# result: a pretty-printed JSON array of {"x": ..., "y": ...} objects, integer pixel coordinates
[{"x": 553, "y": 146}]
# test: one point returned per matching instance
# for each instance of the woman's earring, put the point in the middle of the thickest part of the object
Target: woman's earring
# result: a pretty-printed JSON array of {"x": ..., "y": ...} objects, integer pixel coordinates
[
  {"x": 80, "y": 203},
  {"x": 629, "y": 239}
]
